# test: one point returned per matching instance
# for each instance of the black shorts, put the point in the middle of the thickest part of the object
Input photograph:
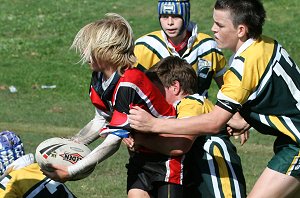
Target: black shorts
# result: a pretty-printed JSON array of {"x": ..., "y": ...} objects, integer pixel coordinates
[{"x": 152, "y": 173}]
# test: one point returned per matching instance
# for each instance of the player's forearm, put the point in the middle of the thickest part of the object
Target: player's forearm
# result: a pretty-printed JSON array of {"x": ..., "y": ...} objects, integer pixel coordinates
[
  {"x": 210, "y": 123},
  {"x": 90, "y": 132},
  {"x": 106, "y": 149},
  {"x": 198, "y": 125}
]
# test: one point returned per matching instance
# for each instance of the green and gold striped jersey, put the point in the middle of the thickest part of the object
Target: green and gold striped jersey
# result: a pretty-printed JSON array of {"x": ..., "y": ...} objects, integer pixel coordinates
[
  {"x": 193, "y": 105},
  {"x": 202, "y": 53},
  {"x": 264, "y": 82},
  {"x": 212, "y": 164},
  {"x": 29, "y": 182}
]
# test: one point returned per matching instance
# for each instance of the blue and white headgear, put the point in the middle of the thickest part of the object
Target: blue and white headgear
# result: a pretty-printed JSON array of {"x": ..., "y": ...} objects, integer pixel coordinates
[
  {"x": 176, "y": 7},
  {"x": 11, "y": 148}
]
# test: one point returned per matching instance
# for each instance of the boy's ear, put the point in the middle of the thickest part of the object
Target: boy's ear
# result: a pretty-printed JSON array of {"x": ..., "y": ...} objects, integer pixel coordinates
[
  {"x": 176, "y": 88},
  {"x": 242, "y": 31}
]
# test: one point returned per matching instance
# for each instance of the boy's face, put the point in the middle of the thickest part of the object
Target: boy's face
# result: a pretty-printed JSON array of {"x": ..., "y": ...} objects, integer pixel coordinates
[
  {"x": 171, "y": 24},
  {"x": 98, "y": 66},
  {"x": 94, "y": 65},
  {"x": 225, "y": 34},
  {"x": 170, "y": 95}
]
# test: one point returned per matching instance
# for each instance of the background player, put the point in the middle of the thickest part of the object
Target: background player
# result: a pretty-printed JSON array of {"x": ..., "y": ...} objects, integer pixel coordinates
[{"x": 179, "y": 37}]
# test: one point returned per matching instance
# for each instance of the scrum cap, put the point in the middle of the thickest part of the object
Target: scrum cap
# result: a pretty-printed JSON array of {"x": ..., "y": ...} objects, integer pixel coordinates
[
  {"x": 11, "y": 148},
  {"x": 176, "y": 7}
]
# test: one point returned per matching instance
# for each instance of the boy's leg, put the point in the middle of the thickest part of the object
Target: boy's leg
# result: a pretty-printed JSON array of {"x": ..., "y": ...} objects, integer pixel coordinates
[
  {"x": 137, "y": 193},
  {"x": 272, "y": 184}
]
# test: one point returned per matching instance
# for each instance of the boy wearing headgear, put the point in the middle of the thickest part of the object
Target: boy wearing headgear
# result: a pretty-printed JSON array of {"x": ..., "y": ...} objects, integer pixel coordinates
[
  {"x": 178, "y": 37},
  {"x": 20, "y": 176}
]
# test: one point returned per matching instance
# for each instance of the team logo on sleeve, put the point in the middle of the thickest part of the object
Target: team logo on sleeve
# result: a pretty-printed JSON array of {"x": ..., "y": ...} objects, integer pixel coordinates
[{"x": 203, "y": 68}]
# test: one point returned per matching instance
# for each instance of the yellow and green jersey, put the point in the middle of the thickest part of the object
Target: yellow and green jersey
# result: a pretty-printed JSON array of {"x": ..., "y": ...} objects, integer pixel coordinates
[
  {"x": 212, "y": 166},
  {"x": 202, "y": 53},
  {"x": 193, "y": 105},
  {"x": 29, "y": 182},
  {"x": 264, "y": 82}
]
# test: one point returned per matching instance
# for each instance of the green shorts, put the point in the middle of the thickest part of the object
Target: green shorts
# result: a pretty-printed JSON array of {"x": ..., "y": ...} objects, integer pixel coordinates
[{"x": 287, "y": 157}]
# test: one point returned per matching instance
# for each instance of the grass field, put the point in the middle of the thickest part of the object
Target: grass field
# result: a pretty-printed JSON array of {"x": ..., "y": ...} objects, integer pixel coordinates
[{"x": 34, "y": 50}]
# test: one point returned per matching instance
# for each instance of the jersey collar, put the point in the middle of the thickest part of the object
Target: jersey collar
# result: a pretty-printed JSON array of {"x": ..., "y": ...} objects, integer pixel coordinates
[
  {"x": 243, "y": 47},
  {"x": 191, "y": 28}
]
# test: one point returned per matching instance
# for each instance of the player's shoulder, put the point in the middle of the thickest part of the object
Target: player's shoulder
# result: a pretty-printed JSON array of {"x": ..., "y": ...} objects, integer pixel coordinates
[
  {"x": 194, "y": 98},
  {"x": 264, "y": 48},
  {"x": 154, "y": 34},
  {"x": 203, "y": 36},
  {"x": 205, "y": 39},
  {"x": 134, "y": 75},
  {"x": 32, "y": 170}
]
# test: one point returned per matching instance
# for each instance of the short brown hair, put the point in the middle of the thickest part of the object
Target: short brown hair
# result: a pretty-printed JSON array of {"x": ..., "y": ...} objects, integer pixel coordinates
[{"x": 173, "y": 68}]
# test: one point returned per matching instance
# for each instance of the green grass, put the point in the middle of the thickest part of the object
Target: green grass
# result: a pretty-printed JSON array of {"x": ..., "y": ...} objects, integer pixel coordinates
[{"x": 35, "y": 37}]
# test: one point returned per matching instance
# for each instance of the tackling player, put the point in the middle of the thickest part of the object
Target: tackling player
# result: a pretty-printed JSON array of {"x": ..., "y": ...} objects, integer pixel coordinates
[
  {"x": 212, "y": 168},
  {"x": 262, "y": 84},
  {"x": 179, "y": 37}
]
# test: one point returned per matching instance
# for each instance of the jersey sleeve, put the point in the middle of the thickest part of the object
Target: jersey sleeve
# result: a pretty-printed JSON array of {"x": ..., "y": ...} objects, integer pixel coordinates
[
  {"x": 149, "y": 49},
  {"x": 237, "y": 87},
  {"x": 212, "y": 54},
  {"x": 146, "y": 58},
  {"x": 219, "y": 64}
]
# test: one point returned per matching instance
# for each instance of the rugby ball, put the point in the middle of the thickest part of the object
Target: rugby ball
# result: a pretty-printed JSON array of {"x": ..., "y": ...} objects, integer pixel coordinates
[{"x": 62, "y": 151}]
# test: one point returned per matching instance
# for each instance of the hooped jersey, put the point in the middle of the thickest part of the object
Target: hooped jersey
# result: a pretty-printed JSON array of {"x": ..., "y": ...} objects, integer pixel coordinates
[
  {"x": 264, "y": 82},
  {"x": 202, "y": 53},
  {"x": 133, "y": 88},
  {"x": 29, "y": 182},
  {"x": 212, "y": 165}
]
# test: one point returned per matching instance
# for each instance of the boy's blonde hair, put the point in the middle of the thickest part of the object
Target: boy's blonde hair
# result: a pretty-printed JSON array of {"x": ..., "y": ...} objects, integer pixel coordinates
[{"x": 109, "y": 41}]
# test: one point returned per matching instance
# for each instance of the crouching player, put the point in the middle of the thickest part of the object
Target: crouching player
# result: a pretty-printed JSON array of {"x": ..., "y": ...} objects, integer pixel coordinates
[
  {"x": 20, "y": 176},
  {"x": 212, "y": 166}
]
